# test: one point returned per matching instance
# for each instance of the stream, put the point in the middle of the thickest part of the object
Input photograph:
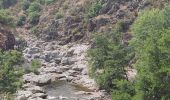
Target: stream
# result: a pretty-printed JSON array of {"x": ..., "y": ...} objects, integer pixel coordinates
[
  {"x": 63, "y": 89},
  {"x": 63, "y": 74}
]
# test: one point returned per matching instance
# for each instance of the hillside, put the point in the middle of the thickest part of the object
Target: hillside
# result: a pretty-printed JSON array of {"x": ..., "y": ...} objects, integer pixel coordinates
[{"x": 84, "y": 49}]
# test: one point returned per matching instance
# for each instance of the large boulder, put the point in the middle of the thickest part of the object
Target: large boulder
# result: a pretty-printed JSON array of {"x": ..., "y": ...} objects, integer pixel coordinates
[{"x": 7, "y": 39}]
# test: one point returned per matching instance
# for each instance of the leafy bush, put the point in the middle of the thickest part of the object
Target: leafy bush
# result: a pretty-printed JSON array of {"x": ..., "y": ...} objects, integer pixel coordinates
[
  {"x": 21, "y": 20},
  {"x": 35, "y": 64},
  {"x": 125, "y": 90},
  {"x": 9, "y": 73},
  {"x": 109, "y": 58},
  {"x": 34, "y": 17},
  {"x": 151, "y": 40},
  {"x": 94, "y": 9},
  {"x": 25, "y": 4},
  {"x": 5, "y": 17},
  {"x": 34, "y": 7},
  {"x": 59, "y": 15}
]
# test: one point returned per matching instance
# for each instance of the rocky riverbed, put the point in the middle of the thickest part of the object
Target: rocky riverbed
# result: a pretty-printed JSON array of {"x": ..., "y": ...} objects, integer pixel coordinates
[{"x": 66, "y": 63}]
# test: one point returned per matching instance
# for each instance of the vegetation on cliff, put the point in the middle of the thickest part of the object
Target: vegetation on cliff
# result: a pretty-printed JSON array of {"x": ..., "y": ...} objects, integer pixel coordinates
[{"x": 150, "y": 43}]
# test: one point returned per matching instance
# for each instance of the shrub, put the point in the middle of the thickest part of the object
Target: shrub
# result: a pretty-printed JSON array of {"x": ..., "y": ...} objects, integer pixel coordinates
[
  {"x": 151, "y": 42},
  {"x": 49, "y": 1},
  {"x": 35, "y": 64},
  {"x": 59, "y": 15},
  {"x": 9, "y": 73},
  {"x": 25, "y": 4},
  {"x": 111, "y": 57},
  {"x": 5, "y": 17},
  {"x": 21, "y": 20},
  {"x": 34, "y": 18},
  {"x": 34, "y": 7},
  {"x": 94, "y": 9}
]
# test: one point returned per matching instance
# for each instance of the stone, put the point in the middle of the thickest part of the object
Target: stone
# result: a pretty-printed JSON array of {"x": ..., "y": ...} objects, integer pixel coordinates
[
  {"x": 40, "y": 95},
  {"x": 33, "y": 50},
  {"x": 67, "y": 61},
  {"x": 50, "y": 70},
  {"x": 24, "y": 94},
  {"x": 76, "y": 68},
  {"x": 37, "y": 79},
  {"x": 21, "y": 98},
  {"x": 70, "y": 52},
  {"x": 57, "y": 60},
  {"x": 35, "y": 89},
  {"x": 36, "y": 56}
]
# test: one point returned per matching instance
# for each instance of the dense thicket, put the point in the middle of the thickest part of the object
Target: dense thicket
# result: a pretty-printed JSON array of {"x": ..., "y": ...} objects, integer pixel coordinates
[
  {"x": 151, "y": 45},
  {"x": 151, "y": 41},
  {"x": 10, "y": 73},
  {"x": 109, "y": 60}
]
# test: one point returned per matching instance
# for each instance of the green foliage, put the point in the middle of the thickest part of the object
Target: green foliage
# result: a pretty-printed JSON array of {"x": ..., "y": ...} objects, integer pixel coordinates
[
  {"x": 7, "y": 3},
  {"x": 94, "y": 9},
  {"x": 34, "y": 17},
  {"x": 34, "y": 7},
  {"x": 35, "y": 64},
  {"x": 109, "y": 59},
  {"x": 125, "y": 90},
  {"x": 9, "y": 73},
  {"x": 33, "y": 13},
  {"x": 59, "y": 15},
  {"x": 151, "y": 40},
  {"x": 5, "y": 17},
  {"x": 47, "y": 2},
  {"x": 21, "y": 20},
  {"x": 25, "y": 5}
]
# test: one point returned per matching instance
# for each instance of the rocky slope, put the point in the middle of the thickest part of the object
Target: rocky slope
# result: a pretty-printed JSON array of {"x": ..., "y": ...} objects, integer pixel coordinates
[{"x": 68, "y": 63}]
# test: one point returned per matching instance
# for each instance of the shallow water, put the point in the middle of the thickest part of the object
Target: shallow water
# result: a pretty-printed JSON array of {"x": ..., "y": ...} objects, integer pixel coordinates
[{"x": 65, "y": 89}]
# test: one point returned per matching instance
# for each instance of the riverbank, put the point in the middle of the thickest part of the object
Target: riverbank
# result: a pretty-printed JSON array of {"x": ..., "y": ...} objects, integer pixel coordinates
[{"x": 59, "y": 63}]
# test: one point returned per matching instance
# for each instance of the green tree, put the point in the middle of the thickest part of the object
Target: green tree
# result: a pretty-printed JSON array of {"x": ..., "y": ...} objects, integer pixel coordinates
[
  {"x": 94, "y": 8},
  {"x": 109, "y": 59},
  {"x": 5, "y": 17},
  {"x": 151, "y": 35},
  {"x": 34, "y": 7},
  {"x": 9, "y": 73}
]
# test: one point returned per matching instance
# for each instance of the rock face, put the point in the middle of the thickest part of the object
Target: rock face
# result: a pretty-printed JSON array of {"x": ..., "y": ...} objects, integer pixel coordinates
[{"x": 7, "y": 39}]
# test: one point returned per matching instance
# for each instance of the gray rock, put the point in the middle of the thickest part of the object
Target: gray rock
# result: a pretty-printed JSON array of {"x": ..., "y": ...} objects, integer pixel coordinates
[
  {"x": 35, "y": 89},
  {"x": 50, "y": 70},
  {"x": 70, "y": 52},
  {"x": 37, "y": 79},
  {"x": 33, "y": 50},
  {"x": 22, "y": 97},
  {"x": 76, "y": 68},
  {"x": 36, "y": 56},
  {"x": 40, "y": 95},
  {"x": 68, "y": 61},
  {"x": 57, "y": 60}
]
